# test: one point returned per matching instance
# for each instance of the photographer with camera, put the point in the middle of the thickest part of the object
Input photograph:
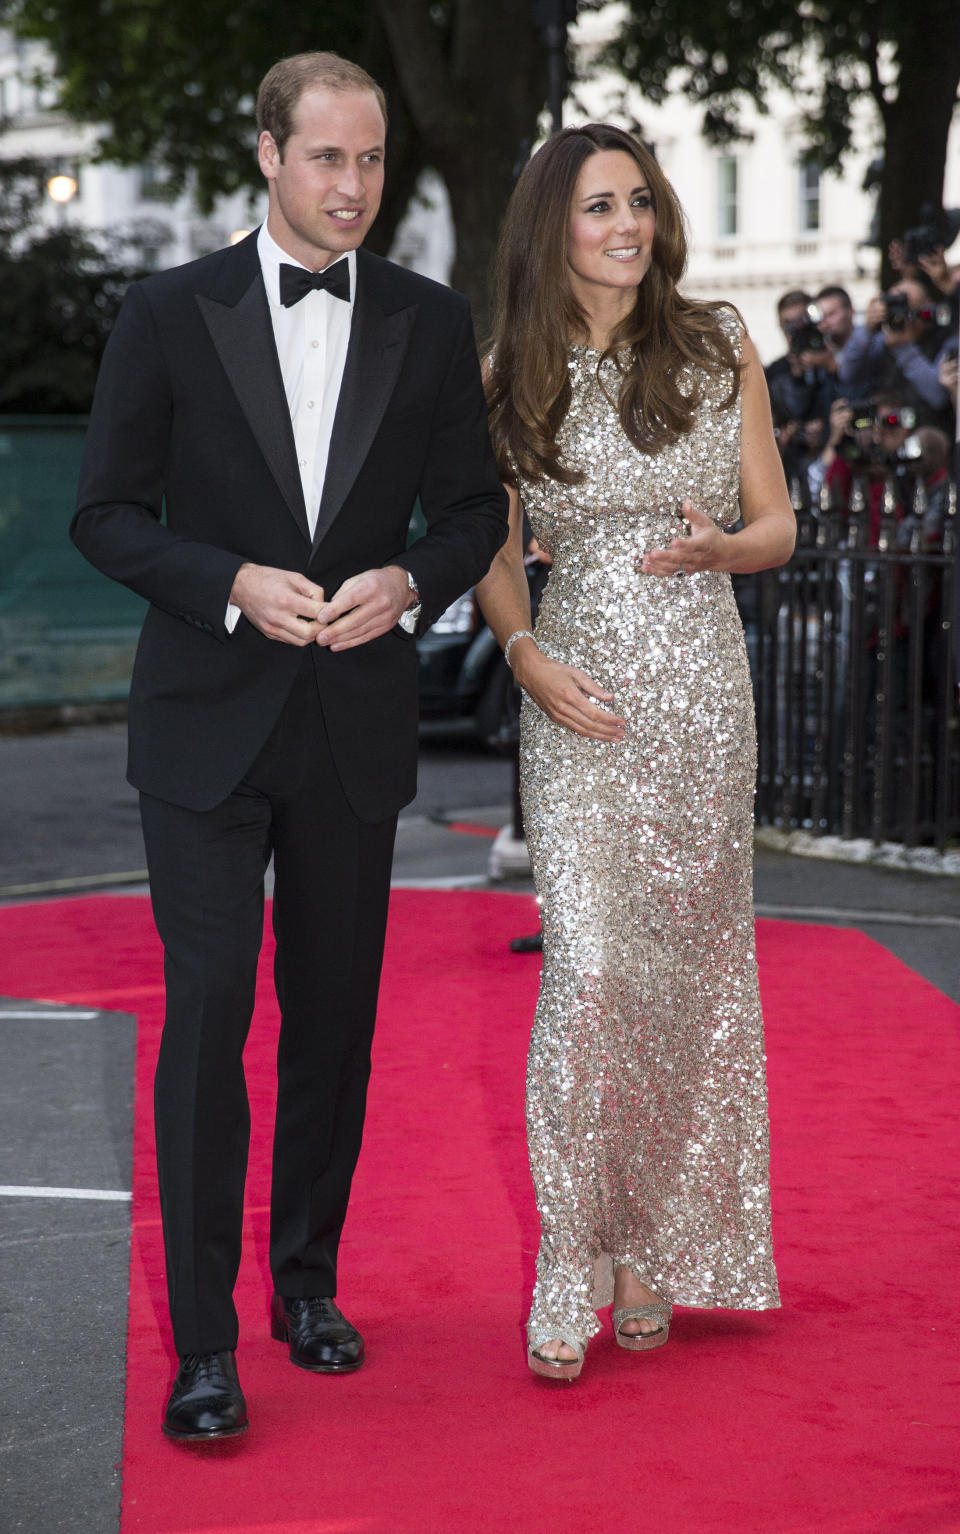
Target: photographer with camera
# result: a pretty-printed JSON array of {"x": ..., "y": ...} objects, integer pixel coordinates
[
  {"x": 879, "y": 442},
  {"x": 836, "y": 326},
  {"x": 922, "y": 253},
  {"x": 801, "y": 383},
  {"x": 899, "y": 347}
]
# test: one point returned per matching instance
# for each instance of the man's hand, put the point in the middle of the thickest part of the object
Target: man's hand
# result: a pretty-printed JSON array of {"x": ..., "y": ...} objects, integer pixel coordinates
[
  {"x": 903, "y": 335},
  {"x": 280, "y": 603},
  {"x": 840, "y": 417},
  {"x": 365, "y": 607},
  {"x": 936, "y": 268},
  {"x": 876, "y": 313},
  {"x": 824, "y": 359}
]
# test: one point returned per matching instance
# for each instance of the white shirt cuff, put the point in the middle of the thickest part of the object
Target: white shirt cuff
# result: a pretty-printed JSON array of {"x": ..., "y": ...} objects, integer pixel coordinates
[{"x": 232, "y": 617}]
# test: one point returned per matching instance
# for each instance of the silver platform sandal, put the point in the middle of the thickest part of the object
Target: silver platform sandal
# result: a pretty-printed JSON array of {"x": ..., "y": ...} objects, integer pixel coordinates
[
  {"x": 556, "y": 1368},
  {"x": 661, "y": 1312}
]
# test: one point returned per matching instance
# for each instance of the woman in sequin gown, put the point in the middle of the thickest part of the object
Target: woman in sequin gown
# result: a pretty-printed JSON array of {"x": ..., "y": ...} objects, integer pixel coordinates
[{"x": 646, "y": 1091}]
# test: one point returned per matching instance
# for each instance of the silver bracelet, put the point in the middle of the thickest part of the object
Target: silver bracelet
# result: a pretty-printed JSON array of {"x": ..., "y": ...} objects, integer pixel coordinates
[{"x": 517, "y": 634}]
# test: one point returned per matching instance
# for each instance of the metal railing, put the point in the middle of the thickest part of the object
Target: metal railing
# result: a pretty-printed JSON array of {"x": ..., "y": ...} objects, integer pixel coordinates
[{"x": 851, "y": 654}]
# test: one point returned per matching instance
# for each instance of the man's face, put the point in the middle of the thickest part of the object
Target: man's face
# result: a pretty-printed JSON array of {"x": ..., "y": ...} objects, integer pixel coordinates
[
  {"x": 325, "y": 190},
  {"x": 836, "y": 321},
  {"x": 792, "y": 316}
]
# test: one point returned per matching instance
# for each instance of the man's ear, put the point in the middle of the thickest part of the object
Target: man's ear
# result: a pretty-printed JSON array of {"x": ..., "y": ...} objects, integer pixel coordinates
[{"x": 268, "y": 155}]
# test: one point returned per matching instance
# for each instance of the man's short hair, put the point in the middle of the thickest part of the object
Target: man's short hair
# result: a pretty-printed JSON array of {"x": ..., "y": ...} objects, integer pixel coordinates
[
  {"x": 834, "y": 292},
  {"x": 282, "y": 87},
  {"x": 893, "y": 397},
  {"x": 795, "y": 299}
]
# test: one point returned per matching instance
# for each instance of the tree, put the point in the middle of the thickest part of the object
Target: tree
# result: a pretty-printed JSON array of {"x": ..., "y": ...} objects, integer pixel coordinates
[
  {"x": 174, "y": 82},
  {"x": 906, "y": 58},
  {"x": 59, "y": 295}
]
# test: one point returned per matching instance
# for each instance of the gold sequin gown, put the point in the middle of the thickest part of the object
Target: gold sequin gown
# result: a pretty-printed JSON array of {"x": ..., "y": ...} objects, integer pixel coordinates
[{"x": 646, "y": 1090}]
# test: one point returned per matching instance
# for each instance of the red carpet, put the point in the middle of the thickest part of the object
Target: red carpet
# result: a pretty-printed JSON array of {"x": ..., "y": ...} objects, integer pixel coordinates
[{"x": 838, "y": 1414}]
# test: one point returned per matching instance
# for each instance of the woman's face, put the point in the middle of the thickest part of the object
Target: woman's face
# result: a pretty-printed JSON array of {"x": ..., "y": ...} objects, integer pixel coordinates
[{"x": 612, "y": 224}]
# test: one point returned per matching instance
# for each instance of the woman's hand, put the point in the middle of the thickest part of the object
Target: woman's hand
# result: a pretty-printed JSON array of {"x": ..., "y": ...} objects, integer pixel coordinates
[
  {"x": 704, "y": 548},
  {"x": 564, "y": 693}
]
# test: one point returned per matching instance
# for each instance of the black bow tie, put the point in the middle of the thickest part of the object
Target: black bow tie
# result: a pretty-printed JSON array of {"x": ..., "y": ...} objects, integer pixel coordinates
[{"x": 296, "y": 282}]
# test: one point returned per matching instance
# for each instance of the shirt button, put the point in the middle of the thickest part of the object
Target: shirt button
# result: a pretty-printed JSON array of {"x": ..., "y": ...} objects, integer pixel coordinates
[
  {"x": 314, "y": 343},
  {"x": 309, "y": 404},
  {"x": 303, "y": 463}
]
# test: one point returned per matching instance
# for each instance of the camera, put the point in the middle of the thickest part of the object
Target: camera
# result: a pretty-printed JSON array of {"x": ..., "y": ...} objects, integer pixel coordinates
[
  {"x": 922, "y": 241},
  {"x": 863, "y": 452},
  {"x": 899, "y": 311},
  {"x": 903, "y": 416},
  {"x": 855, "y": 447},
  {"x": 805, "y": 335}
]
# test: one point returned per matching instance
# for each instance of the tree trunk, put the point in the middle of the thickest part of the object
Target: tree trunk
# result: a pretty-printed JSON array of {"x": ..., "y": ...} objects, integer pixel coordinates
[
  {"x": 917, "y": 124},
  {"x": 477, "y": 206},
  {"x": 404, "y": 148},
  {"x": 474, "y": 90}
]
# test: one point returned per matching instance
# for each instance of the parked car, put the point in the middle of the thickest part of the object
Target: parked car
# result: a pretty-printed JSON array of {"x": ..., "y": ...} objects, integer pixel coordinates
[{"x": 464, "y": 676}]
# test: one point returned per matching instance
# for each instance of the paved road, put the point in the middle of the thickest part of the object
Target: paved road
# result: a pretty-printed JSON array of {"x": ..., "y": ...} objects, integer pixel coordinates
[{"x": 68, "y": 822}]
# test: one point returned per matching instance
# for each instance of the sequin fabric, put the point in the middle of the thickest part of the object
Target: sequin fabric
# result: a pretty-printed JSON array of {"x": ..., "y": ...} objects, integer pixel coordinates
[{"x": 646, "y": 1088}]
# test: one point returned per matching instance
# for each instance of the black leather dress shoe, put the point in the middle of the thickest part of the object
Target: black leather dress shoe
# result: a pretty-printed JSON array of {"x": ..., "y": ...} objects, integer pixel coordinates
[
  {"x": 531, "y": 944},
  {"x": 320, "y": 1338},
  {"x": 206, "y": 1400}
]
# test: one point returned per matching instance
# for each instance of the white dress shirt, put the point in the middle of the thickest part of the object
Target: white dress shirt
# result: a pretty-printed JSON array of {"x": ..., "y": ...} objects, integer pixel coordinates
[{"x": 312, "y": 337}]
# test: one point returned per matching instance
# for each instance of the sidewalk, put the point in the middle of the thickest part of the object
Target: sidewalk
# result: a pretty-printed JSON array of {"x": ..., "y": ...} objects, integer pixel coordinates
[{"x": 69, "y": 823}]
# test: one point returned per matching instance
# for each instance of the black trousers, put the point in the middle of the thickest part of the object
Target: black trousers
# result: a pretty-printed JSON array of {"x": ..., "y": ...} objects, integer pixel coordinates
[{"x": 332, "y": 883}]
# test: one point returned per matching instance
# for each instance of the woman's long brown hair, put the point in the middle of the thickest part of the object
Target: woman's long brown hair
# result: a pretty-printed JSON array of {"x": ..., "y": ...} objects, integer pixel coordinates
[{"x": 536, "y": 316}]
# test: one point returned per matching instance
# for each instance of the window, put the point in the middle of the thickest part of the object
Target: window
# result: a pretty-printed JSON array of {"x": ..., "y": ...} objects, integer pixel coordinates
[
  {"x": 809, "y": 197},
  {"x": 727, "y": 204},
  {"x": 153, "y": 183}
]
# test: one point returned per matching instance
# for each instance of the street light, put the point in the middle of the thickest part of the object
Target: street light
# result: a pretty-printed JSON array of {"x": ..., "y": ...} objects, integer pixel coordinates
[{"x": 62, "y": 188}]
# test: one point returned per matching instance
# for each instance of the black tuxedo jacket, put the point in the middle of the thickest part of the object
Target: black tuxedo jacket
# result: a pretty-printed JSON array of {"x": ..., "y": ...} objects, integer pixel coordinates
[{"x": 190, "y": 413}]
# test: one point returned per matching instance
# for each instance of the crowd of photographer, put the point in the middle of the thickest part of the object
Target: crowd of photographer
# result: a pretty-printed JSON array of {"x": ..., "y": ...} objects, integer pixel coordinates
[{"x": 874, "y": 402}]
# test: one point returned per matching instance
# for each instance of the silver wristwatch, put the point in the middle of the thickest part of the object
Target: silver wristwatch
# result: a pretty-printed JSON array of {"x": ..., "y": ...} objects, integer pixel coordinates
[{"x": 408, "y": 620}]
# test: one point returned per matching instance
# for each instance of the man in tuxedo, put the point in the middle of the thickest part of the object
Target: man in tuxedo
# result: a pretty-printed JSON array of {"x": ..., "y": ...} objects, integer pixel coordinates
[{"x": 287, "y": 400}]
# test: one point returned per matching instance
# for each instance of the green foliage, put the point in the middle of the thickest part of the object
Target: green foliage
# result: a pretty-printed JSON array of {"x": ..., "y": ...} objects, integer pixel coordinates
[
  {"x": 60, "y": 291},
  {"x": 719, "y": 52}
]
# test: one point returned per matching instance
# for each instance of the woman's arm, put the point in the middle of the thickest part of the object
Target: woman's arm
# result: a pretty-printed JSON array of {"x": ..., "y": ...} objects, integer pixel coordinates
[
  {"x": 563, "y": 692},
  {"x": 769, "y": 526}
]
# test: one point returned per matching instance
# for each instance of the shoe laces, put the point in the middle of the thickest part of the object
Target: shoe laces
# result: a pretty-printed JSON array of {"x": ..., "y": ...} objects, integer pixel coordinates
[
  {"x": 314, "y": 1305},
  {"x": 202, "y": 1364}
]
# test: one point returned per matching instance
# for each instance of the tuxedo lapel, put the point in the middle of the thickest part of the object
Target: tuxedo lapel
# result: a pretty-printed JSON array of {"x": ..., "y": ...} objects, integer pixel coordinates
[
  {"x": 241, "y": 331},
  {"x": 378, "y": 343}
]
